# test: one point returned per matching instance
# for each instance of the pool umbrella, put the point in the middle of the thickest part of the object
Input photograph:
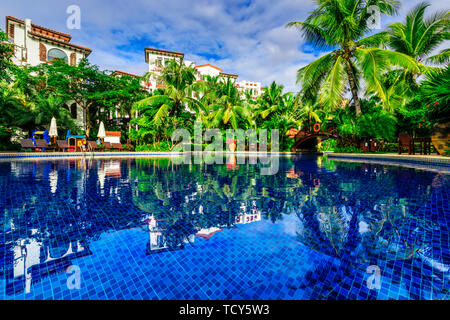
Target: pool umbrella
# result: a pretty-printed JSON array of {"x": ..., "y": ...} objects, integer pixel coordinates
[
  {"x": 53, "y": 132},
  {"x": 101, "y": 131}
]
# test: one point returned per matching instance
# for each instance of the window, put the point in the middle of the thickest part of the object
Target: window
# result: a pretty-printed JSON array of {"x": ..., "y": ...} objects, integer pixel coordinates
[
  {"x": 159, "y": 62},
  {"x": 56, "y": 54},
  {"x": 11, "y": 32},
  {"x": 73, "y": 59}
]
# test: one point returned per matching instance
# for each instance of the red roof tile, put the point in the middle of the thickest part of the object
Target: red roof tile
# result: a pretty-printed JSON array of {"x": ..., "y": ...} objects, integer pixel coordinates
[
  {"x": 208, "y": 65},
  {"x": 123, "y": 73},
  {"x": 113, "y": 133}
]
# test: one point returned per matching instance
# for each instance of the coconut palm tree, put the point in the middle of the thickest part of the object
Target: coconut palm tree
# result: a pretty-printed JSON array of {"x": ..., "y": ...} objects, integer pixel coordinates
[
  {"x": 418, "y": 36},
  {"x": 180, "y": 85},
  {"x": 435, "y": 92},
  {"x": 229, "y": 109},
  {"x": 341, "y": 24},
  {"x": 271, "y": 100}
]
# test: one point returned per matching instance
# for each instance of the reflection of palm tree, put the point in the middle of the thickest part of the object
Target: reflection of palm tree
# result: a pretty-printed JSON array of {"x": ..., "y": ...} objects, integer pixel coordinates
[{"x": 176, "y": 234}]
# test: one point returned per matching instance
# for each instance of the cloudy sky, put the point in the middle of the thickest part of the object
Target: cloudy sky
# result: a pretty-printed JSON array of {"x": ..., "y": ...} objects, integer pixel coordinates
[{"x": 240, "y": 36}]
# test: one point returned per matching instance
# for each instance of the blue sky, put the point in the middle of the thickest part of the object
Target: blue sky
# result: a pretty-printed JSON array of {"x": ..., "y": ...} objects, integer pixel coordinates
[{"x": 240, "y": 36}]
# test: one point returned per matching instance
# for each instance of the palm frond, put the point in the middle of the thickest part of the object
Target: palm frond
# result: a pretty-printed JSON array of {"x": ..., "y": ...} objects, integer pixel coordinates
[
  {"x": 442, "y": 57},
  {"x": 311, "y": 33},
  {"x": 377, "y": 40},
  {"x": 334, "y": 85}
]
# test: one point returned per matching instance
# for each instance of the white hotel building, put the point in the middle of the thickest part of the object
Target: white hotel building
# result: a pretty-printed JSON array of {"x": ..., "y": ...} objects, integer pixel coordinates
[
  {"x": 34, "y": 44},
  {"x": 156, "y": 58}
]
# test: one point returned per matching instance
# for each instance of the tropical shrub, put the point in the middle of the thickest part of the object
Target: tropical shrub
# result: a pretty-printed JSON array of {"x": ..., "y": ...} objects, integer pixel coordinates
[
  {"x": 347, "y": 149},
  {"x": 327, "y": 145},
  {"x": 158, "y": 146}
]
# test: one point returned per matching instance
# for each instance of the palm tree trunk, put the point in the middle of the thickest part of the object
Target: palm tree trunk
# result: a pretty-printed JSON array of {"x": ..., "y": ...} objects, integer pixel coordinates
[{"x": 352, "y": 82}]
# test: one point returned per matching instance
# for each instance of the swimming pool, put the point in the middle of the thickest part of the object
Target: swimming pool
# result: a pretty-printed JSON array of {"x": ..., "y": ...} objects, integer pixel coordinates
[{"x": 153, "y": 229}]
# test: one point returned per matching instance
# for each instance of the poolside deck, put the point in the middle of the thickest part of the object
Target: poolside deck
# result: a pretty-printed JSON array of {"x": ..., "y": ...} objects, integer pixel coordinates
[
  {"x": 117, "y": 154},
  {"x": 425, "y": 160}
]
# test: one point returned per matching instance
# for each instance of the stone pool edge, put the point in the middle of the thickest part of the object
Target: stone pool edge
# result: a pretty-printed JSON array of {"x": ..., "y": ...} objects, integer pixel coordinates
[
  {"x": 412, "y": 159},
  {"x": 40, "y": 155}
]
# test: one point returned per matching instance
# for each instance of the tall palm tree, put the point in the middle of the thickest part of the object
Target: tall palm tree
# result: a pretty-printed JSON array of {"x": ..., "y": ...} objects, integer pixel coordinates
[
  {"x": 180, "y": 84},
  {"x": 418, "y": 37},
  {"x": 229, "y": 109},
  {"x": 271, "y": 100},
  {"x": 341, "y": 24}
]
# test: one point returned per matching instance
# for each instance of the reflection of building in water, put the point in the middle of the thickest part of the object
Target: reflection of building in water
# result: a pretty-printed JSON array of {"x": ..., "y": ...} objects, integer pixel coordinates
[
  {"x": 161, "y": 239},
  {"x": 207, "y": 233},
  {"x": 53, "y": 178},
  {"x": 29, "y": 260},
  {"x": 112, "y": 168},
  {"x": 248, "y": 216},
  {"x": 108, "y": 169},
  {"x": 165, "y": 236}
]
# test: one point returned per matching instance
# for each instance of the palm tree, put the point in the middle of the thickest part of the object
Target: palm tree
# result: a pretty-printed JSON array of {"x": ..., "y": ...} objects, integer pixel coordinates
[
  {"x": 208, "y": 89},
  {"x": 52, "y": 106},
  {"x": 435, "y": 92},
  {"x": 271, "y": 100},
  {"x": 419, "y": 37},
  {"x": 341, "y": 24},
  {"x": 308, "y": 113},
  {"x": 16, "y": 110},
  {"x": 179, "y": 80},
  {"x": 229, "y": 108}
]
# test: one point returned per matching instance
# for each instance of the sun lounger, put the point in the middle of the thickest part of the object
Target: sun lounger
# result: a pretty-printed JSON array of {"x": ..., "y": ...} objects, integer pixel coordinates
[
  {"x": 92, "y": 146},
  {"x": 27, "y": 144},
  {"x": 373, "y": 146},
  {"x": 107, "y": 145},
  {"x": 364, "y": 146},
  {"x": 43, "y": 145},
  {"x": 117, "y": 146},
  {"x": 62, "y": 145}
]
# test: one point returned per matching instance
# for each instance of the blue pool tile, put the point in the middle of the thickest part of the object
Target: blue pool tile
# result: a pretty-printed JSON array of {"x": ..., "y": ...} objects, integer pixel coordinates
[{"x": 152, "y": 229}]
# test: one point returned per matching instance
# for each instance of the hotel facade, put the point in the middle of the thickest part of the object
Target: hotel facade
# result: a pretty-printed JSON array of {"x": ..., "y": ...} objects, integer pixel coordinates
[
  {"x": 156, "y": 59},
  {"x": 34, "y": 44}
]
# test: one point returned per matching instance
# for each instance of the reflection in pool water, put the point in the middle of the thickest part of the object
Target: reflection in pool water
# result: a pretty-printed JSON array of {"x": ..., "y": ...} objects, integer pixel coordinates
[{"x": 154, "y": 229}]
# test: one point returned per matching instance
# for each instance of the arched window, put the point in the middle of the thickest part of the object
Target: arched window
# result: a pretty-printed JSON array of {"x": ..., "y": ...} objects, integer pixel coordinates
[{"x": 56, "y": 54}]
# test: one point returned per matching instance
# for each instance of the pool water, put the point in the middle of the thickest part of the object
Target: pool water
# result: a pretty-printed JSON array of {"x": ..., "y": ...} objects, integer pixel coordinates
[{"x": 151, "y": 228}]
